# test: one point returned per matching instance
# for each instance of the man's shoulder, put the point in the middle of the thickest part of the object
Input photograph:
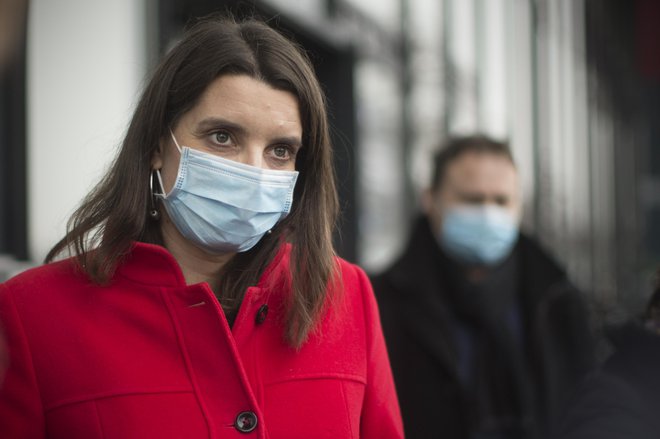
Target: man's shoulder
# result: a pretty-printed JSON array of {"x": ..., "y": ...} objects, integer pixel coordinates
[
  {"x": 536, "y": 252},
  {"x": 538, "y": 265},
  {"x": 546, "y": 285},
  {"x": 402, "y": 274},
  {"x": 384, "y": 283}
]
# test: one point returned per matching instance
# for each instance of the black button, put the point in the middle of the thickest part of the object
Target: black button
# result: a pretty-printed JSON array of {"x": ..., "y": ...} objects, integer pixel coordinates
[
  {"x": 261, "y": 314},
  {"x": 246, "y": 422}
]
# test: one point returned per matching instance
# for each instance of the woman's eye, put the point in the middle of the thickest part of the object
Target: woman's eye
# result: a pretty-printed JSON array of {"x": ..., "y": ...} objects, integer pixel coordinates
[
  {"x": 281, "y": 152},
  {"x": 222, "y": 137}
]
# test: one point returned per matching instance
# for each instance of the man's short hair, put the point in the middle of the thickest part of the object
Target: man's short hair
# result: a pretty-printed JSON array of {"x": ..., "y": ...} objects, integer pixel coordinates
[{"x": 457, "y": 146}]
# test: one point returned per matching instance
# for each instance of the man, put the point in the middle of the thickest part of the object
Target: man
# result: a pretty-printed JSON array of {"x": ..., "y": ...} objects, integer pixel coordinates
[{"x": 487, "y": 337}]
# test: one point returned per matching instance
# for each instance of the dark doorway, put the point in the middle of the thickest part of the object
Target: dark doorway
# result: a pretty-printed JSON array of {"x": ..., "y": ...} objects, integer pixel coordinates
[{"x": 13, "y": 186}]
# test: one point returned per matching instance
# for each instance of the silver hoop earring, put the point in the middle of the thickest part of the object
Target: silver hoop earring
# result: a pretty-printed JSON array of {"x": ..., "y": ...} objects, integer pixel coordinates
[{"x": 154, "y": 213}]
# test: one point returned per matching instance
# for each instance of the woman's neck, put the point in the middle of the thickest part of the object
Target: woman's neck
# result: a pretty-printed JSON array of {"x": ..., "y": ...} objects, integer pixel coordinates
[{"x": 196, "y": 264}]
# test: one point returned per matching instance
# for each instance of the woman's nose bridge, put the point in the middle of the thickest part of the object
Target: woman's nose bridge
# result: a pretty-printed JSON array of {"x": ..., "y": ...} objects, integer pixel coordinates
[{"x": 253, "y": 154}]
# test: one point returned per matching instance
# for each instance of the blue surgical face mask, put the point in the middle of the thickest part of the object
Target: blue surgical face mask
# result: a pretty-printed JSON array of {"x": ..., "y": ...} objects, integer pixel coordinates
[
  {"x": 224, "y": 206},
  {"x": 479, "y": 235}
]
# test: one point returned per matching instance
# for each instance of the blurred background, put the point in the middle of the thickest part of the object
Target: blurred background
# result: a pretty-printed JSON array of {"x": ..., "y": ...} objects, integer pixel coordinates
[{"x": 574, "y": 85}]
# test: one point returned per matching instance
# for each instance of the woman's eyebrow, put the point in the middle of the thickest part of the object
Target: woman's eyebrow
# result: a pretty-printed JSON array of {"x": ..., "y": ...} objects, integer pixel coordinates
[
  {"x": 211, "y": 123},
  {"x": 294, "y": 141}
]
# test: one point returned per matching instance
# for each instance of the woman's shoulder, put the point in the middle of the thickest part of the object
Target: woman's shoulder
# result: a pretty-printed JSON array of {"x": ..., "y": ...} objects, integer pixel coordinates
[
  {"x": 40, "y": 296},
  {"x": 353, "y": 280},
  {"x": 349, "y": 270},
  {"x": 54, "y": 276},
  {"x": 355, "y": 288}
]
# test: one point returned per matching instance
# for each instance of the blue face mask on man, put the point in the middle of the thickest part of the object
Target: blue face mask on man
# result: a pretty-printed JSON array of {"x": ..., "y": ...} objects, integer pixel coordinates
[
  {"x": 223, "y": 206},
  {"x": 479, "y": 235}
]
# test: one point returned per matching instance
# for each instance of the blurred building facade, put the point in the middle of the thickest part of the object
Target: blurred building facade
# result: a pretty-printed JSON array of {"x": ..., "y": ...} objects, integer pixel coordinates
[{"x": 573, "y": 84}]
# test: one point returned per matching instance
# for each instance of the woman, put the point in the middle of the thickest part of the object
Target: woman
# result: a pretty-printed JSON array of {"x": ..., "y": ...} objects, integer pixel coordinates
[
  {"x": 621, "y": 400},
  {"x": 203, "y": 298}
]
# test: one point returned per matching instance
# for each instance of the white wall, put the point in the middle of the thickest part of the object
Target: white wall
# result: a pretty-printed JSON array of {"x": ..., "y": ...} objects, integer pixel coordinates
[{"x": 86, "y": 62}]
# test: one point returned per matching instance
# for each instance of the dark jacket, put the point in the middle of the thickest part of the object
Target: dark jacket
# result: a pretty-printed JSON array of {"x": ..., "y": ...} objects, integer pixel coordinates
[
  {"x": 622, "y": 399},
  {"x": 419, "y": 309}
]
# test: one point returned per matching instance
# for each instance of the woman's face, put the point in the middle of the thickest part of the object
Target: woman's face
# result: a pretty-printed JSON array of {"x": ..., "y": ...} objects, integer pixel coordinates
[{"x": 238, "y": 118}]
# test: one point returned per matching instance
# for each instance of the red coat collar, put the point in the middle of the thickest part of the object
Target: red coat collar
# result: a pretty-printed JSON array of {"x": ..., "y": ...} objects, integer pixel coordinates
[
  {"x": 154, "y": 265},
  {"x": 151, "y": 264}
]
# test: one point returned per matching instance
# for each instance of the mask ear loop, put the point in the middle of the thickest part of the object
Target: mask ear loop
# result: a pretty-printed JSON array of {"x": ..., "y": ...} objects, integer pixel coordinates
[
  {"x": 154, "y": 213},
  {"x": 175, "y": 142}
]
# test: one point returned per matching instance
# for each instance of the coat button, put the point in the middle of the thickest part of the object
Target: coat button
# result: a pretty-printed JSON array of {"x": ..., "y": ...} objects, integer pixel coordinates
[
  {"x": 261, "y": 314},
  {"x": 246, "y": 422}
]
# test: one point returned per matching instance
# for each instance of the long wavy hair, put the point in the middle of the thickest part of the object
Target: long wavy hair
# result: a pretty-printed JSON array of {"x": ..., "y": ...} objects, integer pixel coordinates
[{"x": 115, "y": 213}]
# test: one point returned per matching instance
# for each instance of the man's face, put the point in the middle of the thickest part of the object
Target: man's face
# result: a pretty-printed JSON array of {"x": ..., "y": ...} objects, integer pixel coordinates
[{"x": 475, "y": 179}]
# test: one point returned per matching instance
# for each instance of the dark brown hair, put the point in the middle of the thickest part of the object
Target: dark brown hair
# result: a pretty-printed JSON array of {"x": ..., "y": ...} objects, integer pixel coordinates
[
  {"x": 115, "y": 213},
  {"x": 456, "y": 147}
]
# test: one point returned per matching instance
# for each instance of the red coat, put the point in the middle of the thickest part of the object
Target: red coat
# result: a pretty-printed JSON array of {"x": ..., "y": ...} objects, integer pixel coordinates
[{"x": 150, "y": 357}]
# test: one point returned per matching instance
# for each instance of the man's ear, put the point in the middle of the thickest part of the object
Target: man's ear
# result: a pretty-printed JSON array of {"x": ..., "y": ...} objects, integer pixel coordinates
[
  {"x": 427, "y": 201},
  {"x": 431, "y": 207}
]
